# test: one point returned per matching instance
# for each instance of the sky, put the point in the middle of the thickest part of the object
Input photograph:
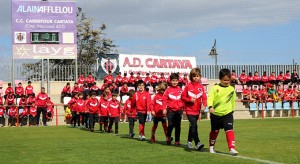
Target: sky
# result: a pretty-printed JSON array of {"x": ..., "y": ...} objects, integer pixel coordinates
[{"x": 246, "y": 31}]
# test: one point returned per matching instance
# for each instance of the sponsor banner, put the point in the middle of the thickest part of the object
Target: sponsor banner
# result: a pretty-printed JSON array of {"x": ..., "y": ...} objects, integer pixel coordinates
[
  {"x": 43, "y": 16},
  {"x": 107, "y": 62},
  {"x": 41, "y": 51},
  {"x": 159, "y": 64}
]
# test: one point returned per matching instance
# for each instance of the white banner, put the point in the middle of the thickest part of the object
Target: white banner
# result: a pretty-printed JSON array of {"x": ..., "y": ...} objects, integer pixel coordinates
[{"x": 159, "y": 64}]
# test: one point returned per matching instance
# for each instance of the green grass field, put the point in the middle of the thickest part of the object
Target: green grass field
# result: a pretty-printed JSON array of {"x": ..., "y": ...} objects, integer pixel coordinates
[{"x": 276, "y": 140}]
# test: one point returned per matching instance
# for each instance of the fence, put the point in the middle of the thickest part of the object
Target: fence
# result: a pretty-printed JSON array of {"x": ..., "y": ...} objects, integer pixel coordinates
[{"x": 67, "y": 72}]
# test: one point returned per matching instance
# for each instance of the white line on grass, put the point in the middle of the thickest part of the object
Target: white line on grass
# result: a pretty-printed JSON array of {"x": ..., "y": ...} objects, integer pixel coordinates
[{"x": 249, "y": 158}]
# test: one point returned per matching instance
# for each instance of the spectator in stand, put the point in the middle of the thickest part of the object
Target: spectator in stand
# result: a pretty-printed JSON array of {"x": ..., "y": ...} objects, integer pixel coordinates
[
  {"x": 119, "y": 79},
  {"x": 272, "y": 93},
  {"x": 50, "y": 110},
  {"x": 109, "y": 78},
  {"x": 23, "y": 115},
  {"x": 249, "y": 79},
  {"x": 29, "y": 89},
  {"x": 114, "y": 113},
  {"x": 255, "y": 94},
  {"x": 131, "y": 81},
  {"x": 41, "y": 103},
  {"x": 93, "y": 105},
  {"x": 32, "y": 114},
  {"x": 10, "y": 100},
  {"x": 280, "y": 92},
  {"x": 243, "y": 78},
  {"x": 185, "y": 80},
  {"x": 297, "y": 92},
  {"x": 86, "y": 91},
  {"x": 233, "y": 78},
  {"x": 81, "y": 80},
  {"x": 31, "y": 99},
  {"x": 287, "y": 78},
  {"x": 130, "y": 113},
  {"x": 162, "y": 78},
  {"x": 123, "y": 91},
  {"x": 8, "y": 90},
  {"x": 256, "y": 79},
  {"x": 264, "y": 78},
  {"x": 246, "y": 93},
  {"x": 272, "y": 78},
  {"x": 103, "y": 112},
  {"x": 90, "y": 80},
  {"x": 75, "y": 89},
  {"x": 289, "y": 95},
  {"x": 19, "y": 90},
  {"x": 279, "y": 79},
  {"x": 66, "y": 92},
  {"x": 141, "y": 101},
  {"x": 114, "y": 88},
  {"x": 154, "y": 80},
  {"x": 96, "y": 89},
  {"x": 263, "y": 93},
  {"x": 125, "y": 79},
  {"x": 12, "y": 116},
  {"x": 295, "y": 77},
  {"x": 2, "y": 114},
  {"x": 147, "y": 80}
]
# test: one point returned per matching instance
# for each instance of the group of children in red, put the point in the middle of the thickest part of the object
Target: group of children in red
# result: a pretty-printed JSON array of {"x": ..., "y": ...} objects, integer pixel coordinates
[
  {"x": 167, "y": 107},
  {"x": 28, "y": 106}
]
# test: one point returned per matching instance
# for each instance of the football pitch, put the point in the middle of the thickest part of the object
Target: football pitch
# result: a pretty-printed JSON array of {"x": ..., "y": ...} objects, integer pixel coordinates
[{"x": 257, "y": 141}]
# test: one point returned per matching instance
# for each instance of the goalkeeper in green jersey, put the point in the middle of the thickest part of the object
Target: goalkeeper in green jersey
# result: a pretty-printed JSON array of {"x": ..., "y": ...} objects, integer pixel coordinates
[{"x": 221, "y": 104}]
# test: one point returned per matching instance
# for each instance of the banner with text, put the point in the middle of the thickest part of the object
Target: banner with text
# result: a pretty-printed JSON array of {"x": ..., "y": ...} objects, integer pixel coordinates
[{"x": 159, "y": 64}]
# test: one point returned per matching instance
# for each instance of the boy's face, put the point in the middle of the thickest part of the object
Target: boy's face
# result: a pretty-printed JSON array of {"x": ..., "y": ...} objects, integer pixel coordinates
[
  {"x": 105, "y": 97},
  {"x": 81, "y": 96},
  {"x": 161, "y": 91},
  {"x": 174, "y": 82},
  {"x": 141, "y": 87},
  {"x": 196, "y": 78},
  {"x": 76, "y": 96},
  {"x": 114, "y": 97},
  {"x": 225, "y": 81},
  {"x": 75, "y": 85},
  {"x": 107, "y": 90}
]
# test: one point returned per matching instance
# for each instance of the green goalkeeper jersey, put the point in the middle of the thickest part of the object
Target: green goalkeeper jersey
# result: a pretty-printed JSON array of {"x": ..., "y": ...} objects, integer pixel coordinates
[{"x": 222, "y": 99}]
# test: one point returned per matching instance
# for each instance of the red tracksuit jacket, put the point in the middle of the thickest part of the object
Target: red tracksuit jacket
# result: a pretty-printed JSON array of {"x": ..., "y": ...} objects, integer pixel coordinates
[
  {"x": 41, "y": 100},
  {"x": 80, "y": 105},
  {"x": 130, "y": 112},
  {"x": 154, "y": 79},
  {"x": 173, "y": 98},
  {"x": 158, "y": 105},
  {"x": 194, "y": 90},
  {"x": 19, "y": 91},
  {"x": 30, "y": 100},
  {"x": 141, "y": 101},
  {"x": 9, "y": 89},
  {"x": 119, "y": 79},
  {"x": 2, "y": 109},
  {"x": 147, "y": 80},
  {"x": 24, "y": 113},
  {"x": 124, "y": 80},
  {"x": 72, "y": 104},
  {"x": 108, "y": 79},
  {"x": 13, "y": 111},
  {"x": 103, "y": 107},
  {"x": 10, "y": 99},
  {"x": 93, "y": 105},
  {"x": 114, "y": 108},
  {"x": 32, "y": 111},
  {"x": 28, "y": 90}
]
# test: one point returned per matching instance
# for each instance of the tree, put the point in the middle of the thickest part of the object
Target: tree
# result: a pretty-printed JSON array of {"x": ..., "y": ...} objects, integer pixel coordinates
[{"x": 90, "y": 42}]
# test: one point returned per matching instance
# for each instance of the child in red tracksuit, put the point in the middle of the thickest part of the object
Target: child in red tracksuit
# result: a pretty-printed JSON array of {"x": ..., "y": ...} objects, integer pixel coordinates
[
  {"x": 24, "y": 116},
  {"x": 12, "y": 115},
  {"x": 32, "y": 114},
  {"x": 50, "y": 110},
  {"x": 103, "y": 112},
  {"x": 141, "y": 100},
  {"x": 93, "y": 106},
  {"x": 72, "y": 106},
  {"x": 131, "y": 113},
  {"x": 80, "y": 108},
  {"x": 194, "y": 97},
  {"x": 159, "y": 110},
  {"x": 2, "y": 113},
  {"x": 114, "y": 113},
  {"x": 174, "y": 108}
]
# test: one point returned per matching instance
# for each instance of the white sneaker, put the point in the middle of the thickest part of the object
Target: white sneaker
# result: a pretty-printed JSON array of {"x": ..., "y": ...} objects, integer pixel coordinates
[
  {"x": 212, "y": 149},
  {"x": 140, "y": 137},
  {"x": 143, "y": 138},
  {"x": 199, "y": 146},
  {"x": 233, "y": 152},
  {"x": 190, "y": 145}
]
